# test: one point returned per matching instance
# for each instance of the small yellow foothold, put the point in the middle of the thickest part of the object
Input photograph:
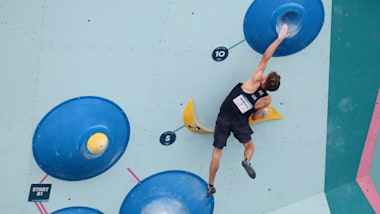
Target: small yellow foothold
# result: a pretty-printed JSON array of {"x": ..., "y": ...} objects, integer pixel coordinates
[
  {"x": 97, "y": 143},
  {"x": 273, "y": 114}
]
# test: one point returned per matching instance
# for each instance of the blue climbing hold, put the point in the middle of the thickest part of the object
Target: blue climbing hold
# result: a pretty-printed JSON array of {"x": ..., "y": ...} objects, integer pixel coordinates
[
  {"x": 77, "y": 210},
  {"x": 174, "y": 191},
  {"x": 264, "y": 19},
  {"x": 81, "y": 138}
]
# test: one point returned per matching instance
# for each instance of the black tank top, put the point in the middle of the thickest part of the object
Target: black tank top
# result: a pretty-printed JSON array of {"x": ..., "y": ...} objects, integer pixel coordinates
[{"x": 238, "y": 105}]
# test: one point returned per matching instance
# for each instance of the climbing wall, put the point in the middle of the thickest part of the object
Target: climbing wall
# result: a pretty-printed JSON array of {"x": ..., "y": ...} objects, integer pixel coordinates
[{"x": 147, "y": 60}]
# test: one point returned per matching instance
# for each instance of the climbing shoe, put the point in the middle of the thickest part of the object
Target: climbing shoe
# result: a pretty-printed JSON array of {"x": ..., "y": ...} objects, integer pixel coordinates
[
  {"x": 210, "y": 191},
  {"x": 247, "y": 166}
]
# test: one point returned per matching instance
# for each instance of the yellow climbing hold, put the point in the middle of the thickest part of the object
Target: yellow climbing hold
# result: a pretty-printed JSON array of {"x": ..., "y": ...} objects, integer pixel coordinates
[
  {"x": 97, "y": 143},
  {"x": 191, "y": 122},
  {"x": 272, "y": 114}
]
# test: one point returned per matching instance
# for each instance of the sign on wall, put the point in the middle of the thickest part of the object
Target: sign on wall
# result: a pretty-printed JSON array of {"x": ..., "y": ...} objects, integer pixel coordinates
[{"x": 39, "y": 192}]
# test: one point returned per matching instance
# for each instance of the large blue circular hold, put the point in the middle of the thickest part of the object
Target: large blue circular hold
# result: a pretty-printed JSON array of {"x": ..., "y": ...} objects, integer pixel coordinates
[
  {"x": 170, "y": 192},
  {"x": 77, "y": 210},
  {"x": 264, "y": 19},
  {"x": 60, "y": 142}
]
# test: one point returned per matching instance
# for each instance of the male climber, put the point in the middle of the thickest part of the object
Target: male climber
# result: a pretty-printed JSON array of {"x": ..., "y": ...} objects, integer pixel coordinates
[{"x": 244, "y": 100}]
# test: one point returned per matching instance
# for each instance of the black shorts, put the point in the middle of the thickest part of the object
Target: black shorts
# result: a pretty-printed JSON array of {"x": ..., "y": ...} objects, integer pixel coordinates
[{"x": 225, "y": 126}]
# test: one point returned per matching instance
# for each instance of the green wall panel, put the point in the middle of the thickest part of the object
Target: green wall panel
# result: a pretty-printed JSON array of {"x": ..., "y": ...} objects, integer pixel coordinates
[
  {"x": 348, "y": 198},
  {"x": 354, "y": 82}
]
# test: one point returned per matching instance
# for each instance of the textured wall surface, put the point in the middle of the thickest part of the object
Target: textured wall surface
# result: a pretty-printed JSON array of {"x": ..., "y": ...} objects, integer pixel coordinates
[
  {"x": 150, "y": 59},
  {"x": 354, "y": 83},
  {"x": 20, "y": 37}
]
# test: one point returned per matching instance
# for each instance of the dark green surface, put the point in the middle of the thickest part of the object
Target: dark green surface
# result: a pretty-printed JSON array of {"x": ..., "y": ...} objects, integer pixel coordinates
[
  {"x": 348, "y": 198},
  {"x": 354, "y": 82}
]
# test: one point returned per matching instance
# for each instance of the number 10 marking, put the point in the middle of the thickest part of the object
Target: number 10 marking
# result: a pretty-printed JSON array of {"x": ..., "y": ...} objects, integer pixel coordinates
[{"x": 220, "y": 54}]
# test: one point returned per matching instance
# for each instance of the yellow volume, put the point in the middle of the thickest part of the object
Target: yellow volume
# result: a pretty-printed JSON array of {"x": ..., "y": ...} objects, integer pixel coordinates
[{"x": 191, "y": 122}]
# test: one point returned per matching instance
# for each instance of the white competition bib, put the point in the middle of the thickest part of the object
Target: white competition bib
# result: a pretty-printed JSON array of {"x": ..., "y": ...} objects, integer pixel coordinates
[{"x": 242, "y": 103}]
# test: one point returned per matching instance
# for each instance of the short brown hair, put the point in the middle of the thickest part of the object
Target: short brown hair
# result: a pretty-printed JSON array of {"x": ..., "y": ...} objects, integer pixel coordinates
[{"x": 273, "y": 81}]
